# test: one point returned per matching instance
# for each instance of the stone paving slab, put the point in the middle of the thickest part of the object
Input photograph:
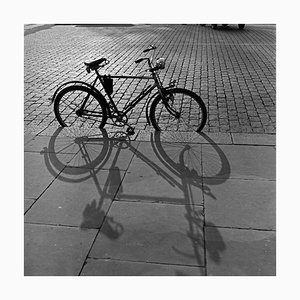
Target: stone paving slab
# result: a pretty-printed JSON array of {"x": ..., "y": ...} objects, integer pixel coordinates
[
  {"x": 143, "y": 184},
  {"x": 27, "y": 204},
  {"x": 36, "y": 175},
  {"x": 83, "y": 149},
  {"x": 28, "y": 138},
  {"x": 105, "y": 267},
  {"x": 50, "y": 144},
  {"x": 241, "y": 203},
  {"x": 106, "y": 155},
  {"x": 84, "y": 203},
  {"x": 244, "y": 252},
  {"x": 180, "y": 137},
  {"x": 178, "y": 158},
  {"x": 152, "y": 180},
  {"x": 254, "y": 139},
  {"x": 244, "y": 162},
  {"x": 55, "y": 251},
  {"x": 156, "y": 233}
]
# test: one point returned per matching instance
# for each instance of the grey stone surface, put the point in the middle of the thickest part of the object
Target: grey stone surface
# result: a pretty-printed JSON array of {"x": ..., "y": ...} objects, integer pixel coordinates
[
  {"x": 255, "y": 139},
  {"x": 215, "y": 137},
  {"x": 89, "y": 148},
  {"x": 152, "y": 177},
  {"x": 143, "y": 183},
  {"x": 245, "y": 252},
  {"x": 36, "y": 175},
  {"x": 148, "y": 232},
  {"x": 81, "y": 204},
  {"x": 116, "y": 154},
  {"x": 241, "y": 203},
  {"x": 181, "y": 159},
  {"x": 247, "y": 162},
  {"x": 53, "y": 251},
  {"x": 27, "y": 204},
  {"x": 52, "y": 145},
  {"x": 190, "y": 137},
  {"x": 105, "y": 267},
  {"x": 28, "y": 138}
]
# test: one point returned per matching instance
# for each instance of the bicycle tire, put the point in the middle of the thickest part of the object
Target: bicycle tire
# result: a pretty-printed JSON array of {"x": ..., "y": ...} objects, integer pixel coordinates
[
  {"x": 69, "y": 99},
  {"x": 193, "y": 113}
]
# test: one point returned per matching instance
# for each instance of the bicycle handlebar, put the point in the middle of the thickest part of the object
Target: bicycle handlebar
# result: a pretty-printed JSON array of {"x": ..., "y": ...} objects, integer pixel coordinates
[
  {"x": 139, "y": 60},
  {"x": 151, "y": 47}
]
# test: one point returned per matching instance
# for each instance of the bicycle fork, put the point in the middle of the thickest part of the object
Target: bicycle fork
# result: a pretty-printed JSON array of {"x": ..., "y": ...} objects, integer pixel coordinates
[{"x": 81, "y": 111}]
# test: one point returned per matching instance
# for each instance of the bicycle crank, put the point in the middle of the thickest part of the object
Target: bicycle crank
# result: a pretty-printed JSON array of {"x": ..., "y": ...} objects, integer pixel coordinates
[{"x": 130, "y": 130}]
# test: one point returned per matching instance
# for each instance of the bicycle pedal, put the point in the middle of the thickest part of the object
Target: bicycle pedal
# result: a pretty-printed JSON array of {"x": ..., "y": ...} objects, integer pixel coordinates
[{"x": 130, "y": 131}]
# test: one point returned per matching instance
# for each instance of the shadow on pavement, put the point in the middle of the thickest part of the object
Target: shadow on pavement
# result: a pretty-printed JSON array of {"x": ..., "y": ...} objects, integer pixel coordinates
[
  {"x": 104, "y": 25},
  {"x": 37, "y": 29},
  {"x": 80, "y": 157}
]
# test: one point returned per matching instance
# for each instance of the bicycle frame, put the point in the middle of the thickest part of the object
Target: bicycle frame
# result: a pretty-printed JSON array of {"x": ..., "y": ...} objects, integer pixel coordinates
[
  {"x": 119, "y": 117},
  {"x": 131, "y": 104}
]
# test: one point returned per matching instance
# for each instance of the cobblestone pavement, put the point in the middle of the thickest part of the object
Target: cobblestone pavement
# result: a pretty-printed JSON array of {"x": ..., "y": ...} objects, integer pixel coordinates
[{"x": 232, "y": 70}]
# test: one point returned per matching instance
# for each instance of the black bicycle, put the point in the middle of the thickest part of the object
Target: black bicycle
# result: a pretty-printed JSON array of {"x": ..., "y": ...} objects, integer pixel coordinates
[{"x": 174, "y": 109}]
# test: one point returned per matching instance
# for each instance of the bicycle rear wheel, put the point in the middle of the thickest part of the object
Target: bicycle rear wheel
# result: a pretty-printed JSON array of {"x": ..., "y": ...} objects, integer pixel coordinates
[
  {"x": 184, "y": 111},
  {"x": 69, "y": 110}
]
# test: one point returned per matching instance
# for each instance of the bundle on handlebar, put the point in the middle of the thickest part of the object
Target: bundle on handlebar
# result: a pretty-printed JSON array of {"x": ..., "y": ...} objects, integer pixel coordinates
[
  {"x": 151, "y": 47},
  {"x": 159, "y": 65}
]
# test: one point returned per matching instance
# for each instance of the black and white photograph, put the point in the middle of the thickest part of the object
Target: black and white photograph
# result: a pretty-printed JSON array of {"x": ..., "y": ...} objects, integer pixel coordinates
[{"x": 148, "y": 150}]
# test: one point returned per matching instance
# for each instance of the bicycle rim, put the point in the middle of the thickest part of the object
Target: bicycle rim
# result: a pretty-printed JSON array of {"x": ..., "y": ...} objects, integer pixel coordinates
[
  {"x": 186, "y": 112},
  {"x": 67, "y": 108}
]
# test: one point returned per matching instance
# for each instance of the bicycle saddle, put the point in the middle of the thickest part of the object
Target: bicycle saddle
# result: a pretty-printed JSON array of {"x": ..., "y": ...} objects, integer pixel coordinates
[{"x": 96, "y": 63}]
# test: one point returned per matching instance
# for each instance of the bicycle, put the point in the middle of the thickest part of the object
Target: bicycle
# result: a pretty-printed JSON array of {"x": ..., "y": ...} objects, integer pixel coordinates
[{"x": 172, "y": 108}]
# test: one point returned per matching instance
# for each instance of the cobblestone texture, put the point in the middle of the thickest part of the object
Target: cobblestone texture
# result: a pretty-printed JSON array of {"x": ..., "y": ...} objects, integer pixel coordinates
[{"x": 233, "y": 70}]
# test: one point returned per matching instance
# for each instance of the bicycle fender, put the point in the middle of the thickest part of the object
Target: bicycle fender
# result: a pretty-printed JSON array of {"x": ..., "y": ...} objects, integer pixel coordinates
[
  {"x": 74, "y": 82},
  {"x": 64, "y": 85}
]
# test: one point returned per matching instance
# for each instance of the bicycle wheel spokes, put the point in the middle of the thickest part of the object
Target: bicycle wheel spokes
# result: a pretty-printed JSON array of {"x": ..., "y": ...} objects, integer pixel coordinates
[
  {"x": 88, "y": 154},
  {"x": 184, "y": 157},
  {"x": 184, "y": 111},
  {"x": 69, "y": 108}
]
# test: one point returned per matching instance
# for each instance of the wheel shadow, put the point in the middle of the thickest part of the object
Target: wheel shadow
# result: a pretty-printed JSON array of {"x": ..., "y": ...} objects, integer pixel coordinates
[{"x": 96, "y": 149}]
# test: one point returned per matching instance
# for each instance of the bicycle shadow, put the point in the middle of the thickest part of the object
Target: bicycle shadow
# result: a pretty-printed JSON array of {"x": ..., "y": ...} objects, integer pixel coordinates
[
  {"x": 58, "y": 155},
  {"x": 202, "y": 178},
  {"x": 93, "y": 161},
  {"x": 93, "y": 213}
]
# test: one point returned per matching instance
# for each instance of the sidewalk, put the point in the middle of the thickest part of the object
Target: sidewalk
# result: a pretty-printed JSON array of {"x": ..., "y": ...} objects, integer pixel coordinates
[{"x": 105, "y": 206}]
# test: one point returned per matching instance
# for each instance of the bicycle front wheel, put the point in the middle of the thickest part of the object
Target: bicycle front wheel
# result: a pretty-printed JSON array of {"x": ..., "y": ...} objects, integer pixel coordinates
[
  {"x": 79, "y": 106},
  {"x": 181, "y": 110}
]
